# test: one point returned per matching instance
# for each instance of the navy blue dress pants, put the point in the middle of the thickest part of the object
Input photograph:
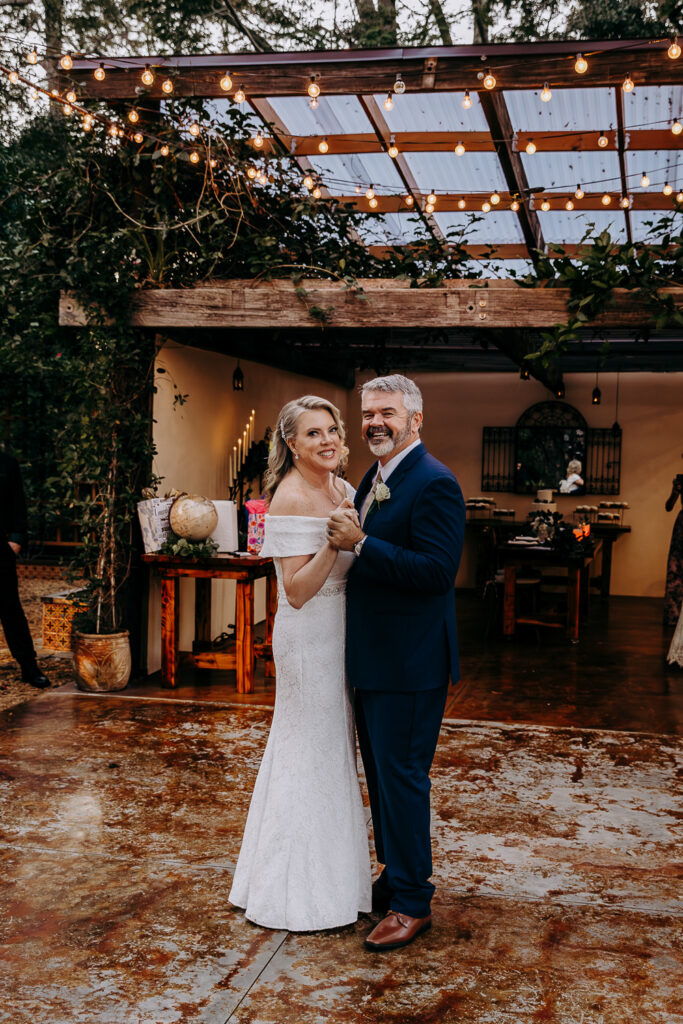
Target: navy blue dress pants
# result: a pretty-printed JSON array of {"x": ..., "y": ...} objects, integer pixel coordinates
[
  {"x": 12, "y": 615},
  {"x": 398, "y": 733}
]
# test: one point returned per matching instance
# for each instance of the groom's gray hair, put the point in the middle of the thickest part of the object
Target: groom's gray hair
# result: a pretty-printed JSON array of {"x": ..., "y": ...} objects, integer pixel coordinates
[{"x": 412, "y": 396}]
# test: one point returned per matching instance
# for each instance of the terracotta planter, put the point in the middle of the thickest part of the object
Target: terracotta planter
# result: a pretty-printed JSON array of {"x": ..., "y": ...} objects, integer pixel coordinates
[{"x": 102, "y": 664}]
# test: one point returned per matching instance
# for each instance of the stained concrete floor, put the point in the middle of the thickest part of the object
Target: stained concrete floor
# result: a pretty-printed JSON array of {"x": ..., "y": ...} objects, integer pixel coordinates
[{"x": 557, "y": 861}]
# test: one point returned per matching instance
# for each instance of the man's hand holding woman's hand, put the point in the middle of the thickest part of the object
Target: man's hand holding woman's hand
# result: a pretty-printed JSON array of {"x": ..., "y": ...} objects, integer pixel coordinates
[{"x": 343, "y": 527}]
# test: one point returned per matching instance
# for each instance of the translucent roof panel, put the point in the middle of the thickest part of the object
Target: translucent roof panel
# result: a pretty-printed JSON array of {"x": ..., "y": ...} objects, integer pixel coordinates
[
  {"x": 650, "y": 106},
  {"x": 642, "y": 222},
  {"x": 568, "y": 110},
  {"x": 661, "y": 166},
  {"x": 343, "y": 172},
  {"x": 434, "y": 112},
  {"x": 446, "y": 172},
  {"x": 490, "y": 227},
  {"x": 563, "y": 171},
  {"x": 505, "y": 268},
  {"x": 391, "y": 229},
  {"x": 334, "y": 115},
  {"x": 568, "y": 228}
]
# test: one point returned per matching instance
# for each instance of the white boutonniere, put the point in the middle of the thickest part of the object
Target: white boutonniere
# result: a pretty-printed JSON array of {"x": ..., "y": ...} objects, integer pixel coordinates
[{"x": 382, "y": 493}]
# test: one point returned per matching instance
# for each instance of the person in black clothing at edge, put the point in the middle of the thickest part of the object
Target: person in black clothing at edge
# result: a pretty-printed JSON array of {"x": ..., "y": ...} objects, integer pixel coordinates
[{"x": 13, "y": 535}]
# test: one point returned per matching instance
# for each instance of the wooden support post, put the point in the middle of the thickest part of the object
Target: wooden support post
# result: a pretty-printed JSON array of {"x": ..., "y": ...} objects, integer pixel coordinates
[
  {"x": 170, "y": 615},
  {"x": 202, "y": 613},
  {"x": 509, "y": 601},
  {"x": 573, "y": 602},
  {"x": 244, "y": 635}
]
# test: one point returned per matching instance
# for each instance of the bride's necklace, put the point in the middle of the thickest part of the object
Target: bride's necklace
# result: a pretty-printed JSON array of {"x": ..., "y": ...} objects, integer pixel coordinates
[{"x": 321, "y": 490}]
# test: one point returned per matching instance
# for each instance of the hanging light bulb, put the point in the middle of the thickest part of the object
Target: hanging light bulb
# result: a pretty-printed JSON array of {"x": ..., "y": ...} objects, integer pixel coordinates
[
  {"x": 13, "y": 77},
  {"x": 431, "y": 198},
  {"x": 323, "y": 145},
  {"x": 494, "y": 199},
  {"x": 213, "y": 163},
  {"x": 66, "y": 62},
  {"x": 489, "y": 80},
  {"x": 545, "y": 205},
  {"x": 602, "y": 140},
  {"x": 147, "y": 76},
  {"x": 253, "y": 173},
  {"x": 393, "y": 148},
  {"x": 258, "y": 140},
  {"x": 373, "y": 203},
  {"x": 597, "y": 393},
  {"x": 674, "y": 50},
  {"x": 569, "y": 205},
  {"x": 68, "y": 110},
  {"x": 138, "y": 137},
  {"x": 486, "y": 206},
  {"x": 71, "y": 96},
  {"x": 313, "y": 88},
  {"x": 409, "y": 200},
  {"x": 370, "y": 193},
  {"x": 514, "y": 206},
  {"x": 679, "y": 197},
  {"x": 226, "y": 82},
  {"x": 316, "y": 193},
  {"x": 546, "y": 94},
  {"x": 237, "y": 378},
  {"x": 524, "y": 373},
  {"x": 194, "y": 157},
  {"x": 133, "y": 116},
  {"x": 194, "y": 130},
  {"x": 429, "y": 207},
  {"x": 625, "y": 202},
  {"x": 240, "y": 95},
  {"x": 113, "y": 131},
  {"x": 99, "y": 74},
  {"x": 164, "y": 150},
  {"x": 462, "y": 205},
  {"x": 389, "y": 102},
  {"x": 467, "y": 100},
  {"x": 580, "y": 64},
  {"x": 644, "y": 181},
  {"x": 606, "y": 199},
  {"x": 32, "y": 57},
  {"x": 459, "y": 149},
  {"x": 313, "y": 103},
  {"x": 167, "y": 86},
  {"x": 262, "y": 177},
  {"x": 120, "y": 132},
  {"x": 308, "y": 182},
  {"x": 33, "y": 93},
  {"x": 531, "y": 147},
  {"x": 677, "y": 127},
  {"x": 86, "y": 125},
  {"x": 628, "y": 83},
  {"x": 579, "y": 194},
  {"x": 399, "y": 86},
  {"x": 668, "y": 189}
]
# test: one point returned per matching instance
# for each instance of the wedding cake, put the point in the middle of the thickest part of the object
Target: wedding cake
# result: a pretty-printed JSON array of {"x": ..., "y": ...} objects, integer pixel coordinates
[{"x": 543, "y": 502}]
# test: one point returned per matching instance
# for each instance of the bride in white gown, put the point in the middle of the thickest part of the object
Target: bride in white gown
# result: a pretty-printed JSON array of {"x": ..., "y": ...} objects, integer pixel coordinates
[{"x": 304, "y": 863}]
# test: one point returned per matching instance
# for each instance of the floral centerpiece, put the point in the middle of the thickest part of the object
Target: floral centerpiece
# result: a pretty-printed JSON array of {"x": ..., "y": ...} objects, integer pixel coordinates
[{"x": 569, "y": 541}]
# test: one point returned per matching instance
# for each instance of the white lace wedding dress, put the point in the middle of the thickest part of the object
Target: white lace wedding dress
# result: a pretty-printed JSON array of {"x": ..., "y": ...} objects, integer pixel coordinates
[{"x": 304, "y": 863}]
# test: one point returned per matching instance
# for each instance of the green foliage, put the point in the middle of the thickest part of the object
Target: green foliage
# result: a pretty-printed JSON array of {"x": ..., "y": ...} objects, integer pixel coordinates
[{"x": 181, "y": 547}]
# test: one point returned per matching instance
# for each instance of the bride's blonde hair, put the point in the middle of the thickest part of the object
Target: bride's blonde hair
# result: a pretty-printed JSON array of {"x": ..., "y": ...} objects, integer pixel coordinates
[{"x": 280, "y": 460}]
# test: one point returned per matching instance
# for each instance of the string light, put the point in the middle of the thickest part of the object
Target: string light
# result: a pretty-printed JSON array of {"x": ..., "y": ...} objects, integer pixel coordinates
[
  {"x": 393, "y": 148},
  {"x": 120, "y": 132},
  {"x": 308, "y": 181},
  {"x": 486, "y": 206},
  {"x": 316, "y": 193},
  {"x": 489, "y": 80},
  {"x": 545, "y": 205},
  {"x": 679, "y": 197},
  {"x": 531, "y": 147},
  {"x": 313, "y": 88},
  {"x": 147, "y": 76},
  {"x": 674, "y": 50},
  {"x": 399, "y": 86},
  {"x": 167, "y": 86},
  {"x": 495, "y": 199},
  {"x": 13, "y": 77},
  {"x": 194, "y": 157},
  {"x": 677, "y": 127},
  {"x": 579, "y": 194},
  {"x": 462, "y": 205},
  {"x": 466, "y": 100},
  {"x": 226, "y": 82},
  {"x": 138, "y": 137},
  {"x": 409, "y": 200},
  {"x": 514, "y": 206},
  {"x": 113, "y": 131},
  {"x": 258, "y": 141},
  {"x": 431, "y": 198},
  {"x": 429, "y": 208},
  {"x": 370, "y": 193},
  {"x": 32, "y": 57},
  {"x": 262, "y": 177},
  {"x": 323, "y": 145},
  {"x": 87, "y": 124},
  {"x": 164, "y": 150},
  {"x": 67, "y": 62},
  {"x": 644, "y": 181},
  {"x": 71, "y": 96},
  {"x": 602, "y": 140},
  {"x": 67, "y": 110},
  {"x": 668, "y": 189},
  {"x": 546, "y": 94},
  {"x": 99, "y": 74},
  {"x": 133, "y": 116},
  {"x": 459, "y": 149},
  {"x": 33, "y": 93},
  {"x": 252, "y": 173},
  {"x": 194, "y": 130},
  {"x": 389, "y": 102},
  {"x": 625, "y": 202},
  {"x": 628, "y": 83},
  {"x": 213, "y": 163},
  {"x": 373, "y": 203},
  {"x": 240, "y": 95},
  {"x": 580, "y": 64},
  {"x": 569, "y": 205},
  {"x": 606, "y": 199}
]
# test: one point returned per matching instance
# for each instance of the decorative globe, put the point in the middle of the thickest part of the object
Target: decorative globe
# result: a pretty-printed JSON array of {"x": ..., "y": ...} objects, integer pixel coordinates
[{"x": 193, "y": 517}]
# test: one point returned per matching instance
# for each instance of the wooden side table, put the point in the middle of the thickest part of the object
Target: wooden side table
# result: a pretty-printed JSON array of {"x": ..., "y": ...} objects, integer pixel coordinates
[{"x": 245, "y": 571}]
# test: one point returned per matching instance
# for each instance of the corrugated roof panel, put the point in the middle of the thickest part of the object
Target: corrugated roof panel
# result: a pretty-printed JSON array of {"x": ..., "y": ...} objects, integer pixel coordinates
[
  {"x": 434, "y": 112},
  {"x": 341, "y": 173},
  {"x": 661, "y": 165},
  {"x": 651, "y": 106},
  {"x": 562, "y": 171},
  {"x": 568, "y": 110},
  {"x": 505, "y": 268},
  {"x": 568, "y": 228},
  {"x": 642, "y": 222},
  {"x": 446, "y": 172},
  {"x": 502, "y": 227},
  {"x": 334, "y": 115},
  {"x": 391, "y": 229}
]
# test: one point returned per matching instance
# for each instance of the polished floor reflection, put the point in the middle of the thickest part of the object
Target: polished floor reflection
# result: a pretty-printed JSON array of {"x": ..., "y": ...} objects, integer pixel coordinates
[{"x": 556, "y": 861}]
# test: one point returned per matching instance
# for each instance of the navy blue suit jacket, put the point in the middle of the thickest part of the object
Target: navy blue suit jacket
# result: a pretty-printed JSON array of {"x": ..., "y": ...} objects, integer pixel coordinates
[{"x": 401, "y": 632}]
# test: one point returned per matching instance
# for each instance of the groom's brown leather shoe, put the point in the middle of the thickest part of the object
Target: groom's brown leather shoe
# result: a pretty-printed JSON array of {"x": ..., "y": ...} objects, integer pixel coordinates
[{"x": 396, "y": 930}]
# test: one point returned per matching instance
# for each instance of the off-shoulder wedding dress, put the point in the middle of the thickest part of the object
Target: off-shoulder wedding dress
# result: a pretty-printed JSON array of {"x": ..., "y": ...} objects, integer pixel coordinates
[{"x": 304, "y": 863}]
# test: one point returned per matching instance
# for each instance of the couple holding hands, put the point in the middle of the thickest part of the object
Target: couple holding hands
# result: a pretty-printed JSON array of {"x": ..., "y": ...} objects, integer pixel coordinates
[{"x": 365, "y": 630}]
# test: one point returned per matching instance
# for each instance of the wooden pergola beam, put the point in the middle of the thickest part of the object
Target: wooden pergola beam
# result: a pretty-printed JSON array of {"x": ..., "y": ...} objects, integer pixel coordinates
[
  {"x": 621, "y": 148},
  {"x": 438, "y": 69},
  {"x": 387, "y": 303}
]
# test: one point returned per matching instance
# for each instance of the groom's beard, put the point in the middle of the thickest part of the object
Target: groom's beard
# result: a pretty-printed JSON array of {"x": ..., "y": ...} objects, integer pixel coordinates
[{"x": 381, "y": 441}]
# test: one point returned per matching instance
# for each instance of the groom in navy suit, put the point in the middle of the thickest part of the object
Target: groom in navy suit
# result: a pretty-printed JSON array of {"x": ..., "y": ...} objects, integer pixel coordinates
[{"x": 401, "y": 643}]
